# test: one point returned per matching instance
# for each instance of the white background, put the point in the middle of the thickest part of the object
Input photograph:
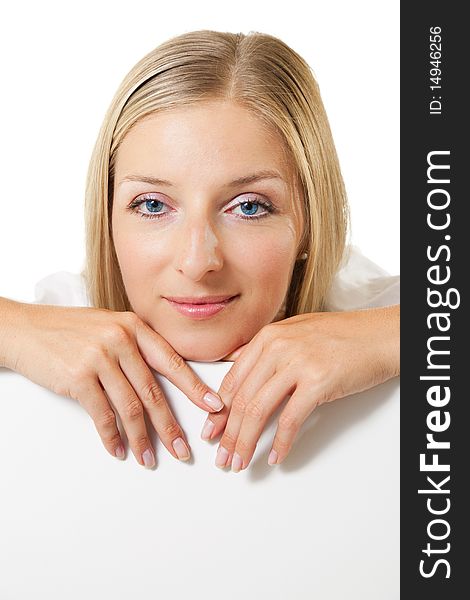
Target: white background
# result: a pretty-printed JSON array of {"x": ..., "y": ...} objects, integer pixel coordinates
[{"x": 62, "y": 63}]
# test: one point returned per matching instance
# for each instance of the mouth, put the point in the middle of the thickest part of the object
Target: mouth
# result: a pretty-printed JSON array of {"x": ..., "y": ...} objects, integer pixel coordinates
[{"x": 201, "y": 307}]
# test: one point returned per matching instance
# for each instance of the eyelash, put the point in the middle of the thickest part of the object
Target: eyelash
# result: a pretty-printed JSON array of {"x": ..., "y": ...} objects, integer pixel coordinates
[{"x": 267, "y": 206}]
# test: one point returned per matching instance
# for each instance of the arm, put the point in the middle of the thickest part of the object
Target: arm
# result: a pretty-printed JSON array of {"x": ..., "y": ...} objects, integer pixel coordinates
[{"x": 11, "y": 313}]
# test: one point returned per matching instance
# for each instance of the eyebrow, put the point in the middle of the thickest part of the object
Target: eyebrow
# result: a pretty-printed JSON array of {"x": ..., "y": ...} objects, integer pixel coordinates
[{"x": 260, "y": 175}]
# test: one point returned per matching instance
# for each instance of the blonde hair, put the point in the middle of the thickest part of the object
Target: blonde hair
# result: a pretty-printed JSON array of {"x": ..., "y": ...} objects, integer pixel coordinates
[{"x": 263, "y": 74}]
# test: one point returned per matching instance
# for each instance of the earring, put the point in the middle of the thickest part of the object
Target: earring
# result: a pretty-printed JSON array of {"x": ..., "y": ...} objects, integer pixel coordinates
[{"x": 303, "y": 256}]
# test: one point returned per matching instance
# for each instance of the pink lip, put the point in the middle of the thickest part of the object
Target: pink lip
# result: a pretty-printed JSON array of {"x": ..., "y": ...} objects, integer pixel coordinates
[{"x": 199, "y": 307}]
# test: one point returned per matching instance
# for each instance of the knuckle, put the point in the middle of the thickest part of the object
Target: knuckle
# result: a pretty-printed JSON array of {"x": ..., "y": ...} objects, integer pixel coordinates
[
  {"x": 198, "y": 388},
  {"x": 140, "y": 443},
  {"x": 288, "y": 422},
  {"x": 228, "y": 440},
  {"x": 152, "y": 394},
  {"x": 276, "y": 343},
  {"x": 171, "y": 430},
  {"x": 175, "y": 362},
  {"x": 283, "y": 446},
  {"x": 133, "y": 409},
  {"x": 268, "y": 332},
  {"x": 116, "y": 335},
  {"x": 267, "y": 336},
  {"x": 92, "y": 355},
  {"x": 243, "y": 447},
  {"x": 87, "y": 364},
  {"x": 106, "y": 420},
  {"x": 75, "y": 385},
  {"x": 112, "y": 440},
  {"x": 70, "y": 386},
  {"x": 130, "y": 318},
  {"x": 255, "y": 410},
  {"x": 239, "y": 405},
  {"x": 76, "y": 394},
  {"x": 324, "y": 368}
]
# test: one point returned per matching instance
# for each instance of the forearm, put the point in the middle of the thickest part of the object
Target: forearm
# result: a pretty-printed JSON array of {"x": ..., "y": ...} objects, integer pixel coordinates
[
  {"x": 388, "y": 324},
  {"x": 12, "y": 315}
]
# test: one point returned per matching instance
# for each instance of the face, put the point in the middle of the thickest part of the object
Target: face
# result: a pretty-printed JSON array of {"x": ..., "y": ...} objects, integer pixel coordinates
[{"x": 204, "y": 226}]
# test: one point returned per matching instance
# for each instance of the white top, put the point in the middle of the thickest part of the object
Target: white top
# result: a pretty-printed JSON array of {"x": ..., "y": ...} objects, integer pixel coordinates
[
  {"x": 80, "y": 523},
  {"x": 359, "y": 283}
]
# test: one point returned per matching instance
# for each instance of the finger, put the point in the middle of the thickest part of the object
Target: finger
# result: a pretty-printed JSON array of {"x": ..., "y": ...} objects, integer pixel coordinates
[
  {"x": 258, "y": 375},
  {"x": 240, "y": 370},
  {"x": 158, "y": 353},
  {"x": 235, "y": 412},
  {"x": 124, "y": 399},
  {"x": 155, "y": 403},
  {"x": 254, "y": 418},
  {"x": 214, "y": 424},
  {"x": 94, "y": 401},
  {"x": 301, "y": 404}
]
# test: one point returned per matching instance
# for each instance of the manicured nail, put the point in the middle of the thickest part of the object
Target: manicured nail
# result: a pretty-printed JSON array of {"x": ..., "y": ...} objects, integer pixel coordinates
[
  {"x": 181, "y": 449},
  {"x": 237, "y": 462},
  {"x": 272, "y": 459},
  {"x": 213, "y": 401},
  {"x": 221, "y": 458},
  {"x": 119, "y": 452},
  {"x": 148, "y": 458},
  {"x": 207, "y": 430}
]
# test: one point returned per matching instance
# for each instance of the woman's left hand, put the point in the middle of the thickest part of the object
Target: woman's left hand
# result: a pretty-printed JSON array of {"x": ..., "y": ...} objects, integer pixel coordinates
[{"x": 314, "y": 358}]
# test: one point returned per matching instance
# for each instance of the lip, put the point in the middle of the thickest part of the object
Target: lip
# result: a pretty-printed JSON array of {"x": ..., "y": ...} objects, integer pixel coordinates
[
  {"x": 198, "y": 299},
  {"x": 199, "y": 307}
]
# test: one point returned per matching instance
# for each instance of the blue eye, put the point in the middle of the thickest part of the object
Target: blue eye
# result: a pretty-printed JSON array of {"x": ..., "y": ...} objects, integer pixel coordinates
[
  {"x": 154, "y": 205},
  {"x": 155, "y": 208},
  {"x": 249, "y": 208},
  {"x": 252, "y": 210}
]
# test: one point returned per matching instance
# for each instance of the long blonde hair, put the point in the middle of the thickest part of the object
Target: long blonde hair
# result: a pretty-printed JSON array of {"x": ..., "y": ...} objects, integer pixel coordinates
[{"x": 264, "y": 75}]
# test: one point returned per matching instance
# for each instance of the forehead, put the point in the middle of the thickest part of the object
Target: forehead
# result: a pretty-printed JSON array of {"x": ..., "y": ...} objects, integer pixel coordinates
[{"x": 215, "y": 136}]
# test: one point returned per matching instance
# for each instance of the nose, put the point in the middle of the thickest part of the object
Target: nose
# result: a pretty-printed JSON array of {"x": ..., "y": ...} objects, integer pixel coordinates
[{"x": 198, "y": 250}]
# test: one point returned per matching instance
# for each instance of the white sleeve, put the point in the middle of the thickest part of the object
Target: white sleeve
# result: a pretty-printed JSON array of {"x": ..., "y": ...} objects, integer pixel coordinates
[
  {"x": 360, "y": 283},
  {"x": 61, "y": 288}
]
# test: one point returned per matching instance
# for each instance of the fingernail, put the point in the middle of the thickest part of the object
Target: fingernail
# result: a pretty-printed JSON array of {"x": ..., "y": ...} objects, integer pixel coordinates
[
  {"x": 213, "y": 401},
  {"x": 181, "y": 449},
  {"x": 207, "y": 430},
  {"x": 237, "y": 462},
  {"x": 119, "y": 452},
  {"x": 148, "y": 458},
  {"x": 221, "y": 458},
  {"x": 272, "y": 459}
]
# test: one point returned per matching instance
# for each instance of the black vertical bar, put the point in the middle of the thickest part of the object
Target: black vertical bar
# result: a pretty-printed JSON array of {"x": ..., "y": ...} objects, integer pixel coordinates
[{"x": 434, "y": 261}]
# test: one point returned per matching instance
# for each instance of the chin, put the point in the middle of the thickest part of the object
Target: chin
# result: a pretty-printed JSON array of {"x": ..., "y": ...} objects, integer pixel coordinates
[
  {"x": 201, "y": 355},
  {"x": 204, "y": 350}
]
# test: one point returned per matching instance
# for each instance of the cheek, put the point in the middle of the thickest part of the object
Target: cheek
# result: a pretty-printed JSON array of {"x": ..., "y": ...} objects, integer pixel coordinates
[
  {"x": 141, "y": 257},
  {"x": 267, "y": 264}
]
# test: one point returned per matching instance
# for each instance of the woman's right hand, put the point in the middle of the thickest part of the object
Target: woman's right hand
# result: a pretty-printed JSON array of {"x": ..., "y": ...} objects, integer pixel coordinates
[{"x": 101, "y": 358}]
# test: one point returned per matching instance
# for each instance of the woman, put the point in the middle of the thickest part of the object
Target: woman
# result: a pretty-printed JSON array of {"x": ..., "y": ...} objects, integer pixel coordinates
[{"x": 216, "y": 221}]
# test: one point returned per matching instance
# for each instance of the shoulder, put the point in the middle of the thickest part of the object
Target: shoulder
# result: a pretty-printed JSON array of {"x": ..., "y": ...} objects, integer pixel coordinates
[
  {"x": 62, "y": 288},
  {"x": 361, "y": 283}
]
